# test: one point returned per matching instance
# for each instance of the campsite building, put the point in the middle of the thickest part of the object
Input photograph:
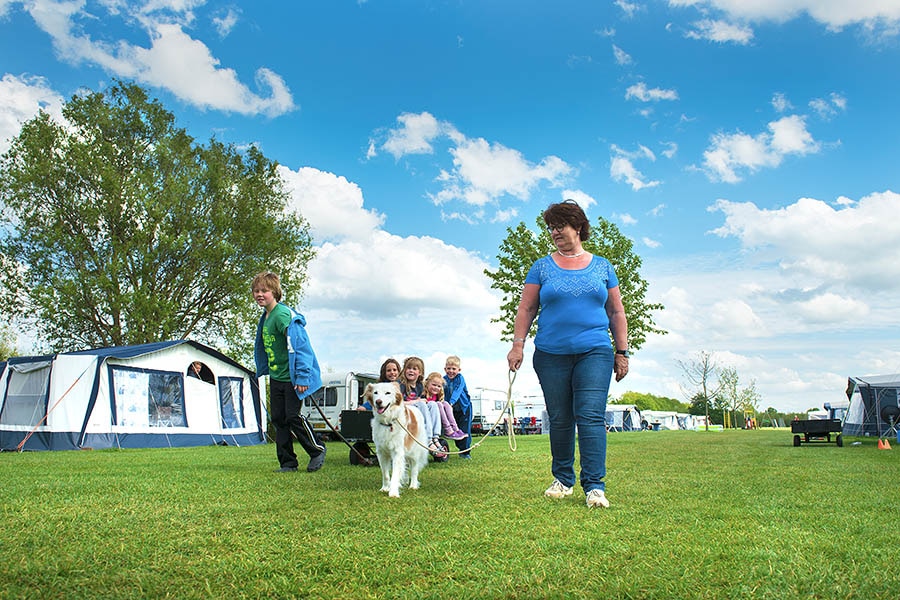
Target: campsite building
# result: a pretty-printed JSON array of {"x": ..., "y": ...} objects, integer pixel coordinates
[{"x": 129, "y": 397}]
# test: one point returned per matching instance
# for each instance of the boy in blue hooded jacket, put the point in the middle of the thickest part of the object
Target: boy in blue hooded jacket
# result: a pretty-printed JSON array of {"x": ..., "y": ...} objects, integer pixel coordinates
[{"x": 283, "y": 352}]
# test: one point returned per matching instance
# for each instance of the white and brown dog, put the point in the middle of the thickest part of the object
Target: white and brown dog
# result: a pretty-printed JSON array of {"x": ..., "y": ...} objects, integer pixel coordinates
[{"x": 401, "y": 455}]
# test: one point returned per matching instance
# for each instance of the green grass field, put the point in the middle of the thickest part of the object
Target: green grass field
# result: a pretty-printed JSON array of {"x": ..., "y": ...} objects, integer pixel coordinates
[{"x": 739, "y": 514}]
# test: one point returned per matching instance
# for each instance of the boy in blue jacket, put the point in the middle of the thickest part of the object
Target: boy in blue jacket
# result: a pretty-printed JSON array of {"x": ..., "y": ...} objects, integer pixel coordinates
[
  {"x": 283, "y": 352},
  {"x": 457, "y": 394}
]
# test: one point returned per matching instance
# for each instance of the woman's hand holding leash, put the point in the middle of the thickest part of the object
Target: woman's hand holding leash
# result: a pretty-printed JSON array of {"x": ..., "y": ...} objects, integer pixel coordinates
[{"x": 514, "y": 358}]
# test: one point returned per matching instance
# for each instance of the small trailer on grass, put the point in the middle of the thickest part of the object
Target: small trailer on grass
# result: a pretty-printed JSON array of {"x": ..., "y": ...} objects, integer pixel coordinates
[
  {"x": 356, "y": 428},
  {"x": 817, "y": 430}
]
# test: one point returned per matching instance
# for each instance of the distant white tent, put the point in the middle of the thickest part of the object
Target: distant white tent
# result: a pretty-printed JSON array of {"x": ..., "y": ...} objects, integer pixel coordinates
[
  {"x": 129, "y": 397},
  {"x": 690, "y": 422},
  {"x": 661, "y": 419},
  {"x": 623, "y": 417},
  {"x": 874, "y": 402}
]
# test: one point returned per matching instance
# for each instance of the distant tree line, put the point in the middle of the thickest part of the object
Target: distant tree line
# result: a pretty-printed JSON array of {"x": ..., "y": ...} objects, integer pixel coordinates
[{"x": 651, "y": 402}]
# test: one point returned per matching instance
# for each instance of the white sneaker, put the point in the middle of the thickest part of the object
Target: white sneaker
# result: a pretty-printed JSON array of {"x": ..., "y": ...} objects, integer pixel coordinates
[
  {"x": 596, "y": 498},
  {"x": 557, "y": 490}
]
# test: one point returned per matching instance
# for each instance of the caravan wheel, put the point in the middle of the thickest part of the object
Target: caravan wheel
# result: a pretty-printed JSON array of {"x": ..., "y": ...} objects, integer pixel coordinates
[
  {"x": 840, "y": 441},
  {"x": 796, "y": 440}
]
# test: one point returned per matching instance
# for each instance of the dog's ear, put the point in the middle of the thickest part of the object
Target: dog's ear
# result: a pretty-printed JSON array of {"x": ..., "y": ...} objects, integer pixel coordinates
[
  {"x": 398, "y": 396},
  {"x": 368, "y": 392}
]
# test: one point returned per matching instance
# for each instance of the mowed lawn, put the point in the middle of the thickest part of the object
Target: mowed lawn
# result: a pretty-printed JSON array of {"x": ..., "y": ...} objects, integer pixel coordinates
[{"x": 736, "y": 514}]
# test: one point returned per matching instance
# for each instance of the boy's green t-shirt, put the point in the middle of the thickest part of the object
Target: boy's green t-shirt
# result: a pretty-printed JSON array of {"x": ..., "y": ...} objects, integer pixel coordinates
[{"x": 275, "y": 342}]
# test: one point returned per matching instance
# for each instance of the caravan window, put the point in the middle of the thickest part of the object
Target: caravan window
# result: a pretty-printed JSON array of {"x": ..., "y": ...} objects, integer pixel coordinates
[
  {"x": 326, "y": 396},
  {"x": 26, "y": 394},
  {"x": 147, "y": 398},
  {"x": 231, "y": 401}
]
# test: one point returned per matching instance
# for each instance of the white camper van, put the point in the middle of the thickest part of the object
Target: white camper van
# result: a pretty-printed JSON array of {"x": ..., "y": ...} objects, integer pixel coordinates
[
  {"x": 487, "y": 407},
  {"x": 339, "y": 391}
]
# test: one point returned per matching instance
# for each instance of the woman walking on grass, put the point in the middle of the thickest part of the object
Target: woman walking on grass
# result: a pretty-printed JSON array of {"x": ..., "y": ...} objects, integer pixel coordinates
[{"x": 578, "y": 296}]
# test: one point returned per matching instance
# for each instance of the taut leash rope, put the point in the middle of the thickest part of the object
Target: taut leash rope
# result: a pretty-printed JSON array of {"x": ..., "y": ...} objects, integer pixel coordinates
[{"x": 510, "y": 427}]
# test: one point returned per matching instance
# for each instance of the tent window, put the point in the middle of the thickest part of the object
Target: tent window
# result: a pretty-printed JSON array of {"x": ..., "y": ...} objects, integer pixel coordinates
[
  {"x": 199, "y": 370},
  {"x": 231, "y": 399},
  {"x": 326, "y": 396},
  {"x": 26, "y": 394},
  {"x": 148, "y": 398}
]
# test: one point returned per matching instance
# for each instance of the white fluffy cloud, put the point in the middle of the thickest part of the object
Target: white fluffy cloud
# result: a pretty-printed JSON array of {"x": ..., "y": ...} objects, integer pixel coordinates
[
  {"x": 172, "y": 60},
  {"x": 641, "y": 92},
  {"x": 20, "y": 100},
  {"x": 820, "y": 244},
  {"x": 720, "y": 31},
  {"x": 391, "y": 276},
  {"x": 482, "y": 172},
  {"x": 332, "y": 205},
  {"x": 834, "y": 14},
  {"x": 831, "y": 308},
  {"x": 622, "y": 167},
  {"x": 413, "y": 136},
  {"x": 731, "y": 153},
  {"x": 622, "y": 57}
]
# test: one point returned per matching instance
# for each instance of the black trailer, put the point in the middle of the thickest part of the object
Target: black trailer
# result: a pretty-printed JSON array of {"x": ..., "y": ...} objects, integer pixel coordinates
[
  {"x": 817, "y": 430},
  {"x": 356, "y": 427}
]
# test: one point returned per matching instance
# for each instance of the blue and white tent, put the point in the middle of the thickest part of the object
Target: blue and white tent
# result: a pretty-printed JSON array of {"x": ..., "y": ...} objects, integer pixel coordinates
[
  {"x": 144, "y": 396},
  {"x": 623, "y": 417},
  {"x": 874, "y": 405}
]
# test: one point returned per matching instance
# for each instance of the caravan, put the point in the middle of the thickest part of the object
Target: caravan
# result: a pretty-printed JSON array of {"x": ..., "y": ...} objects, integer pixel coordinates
[
  {"x": 339, "y": 392},
  {"x": 488, "y": 408}
]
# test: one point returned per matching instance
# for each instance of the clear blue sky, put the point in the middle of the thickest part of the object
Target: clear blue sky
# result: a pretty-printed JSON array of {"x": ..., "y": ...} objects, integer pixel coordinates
[{"x": 748, "y": 147}]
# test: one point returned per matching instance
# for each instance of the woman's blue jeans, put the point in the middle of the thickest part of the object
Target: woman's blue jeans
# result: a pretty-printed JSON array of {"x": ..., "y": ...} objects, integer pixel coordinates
[{"x": 575, "y": 391}]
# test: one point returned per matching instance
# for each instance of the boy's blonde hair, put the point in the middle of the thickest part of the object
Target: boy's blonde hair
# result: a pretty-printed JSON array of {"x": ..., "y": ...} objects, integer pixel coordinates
[
  {"x": 413, "y": 361},
  {"x": 269, "y": 281},
  {"x": 453, "y": 360},
  {"x": 440, "y": 379}
]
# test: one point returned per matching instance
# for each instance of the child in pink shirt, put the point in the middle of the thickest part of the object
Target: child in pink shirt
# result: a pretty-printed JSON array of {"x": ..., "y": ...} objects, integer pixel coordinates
[{"x": 434, "y": 392}]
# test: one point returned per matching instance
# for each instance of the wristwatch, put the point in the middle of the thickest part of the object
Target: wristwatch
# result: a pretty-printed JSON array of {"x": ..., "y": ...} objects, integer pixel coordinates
[{"x": 624, "y": 353}]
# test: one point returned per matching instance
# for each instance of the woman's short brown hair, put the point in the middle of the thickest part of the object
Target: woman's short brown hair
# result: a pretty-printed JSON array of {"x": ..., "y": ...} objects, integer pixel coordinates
[{"x": 568, "y": 212}]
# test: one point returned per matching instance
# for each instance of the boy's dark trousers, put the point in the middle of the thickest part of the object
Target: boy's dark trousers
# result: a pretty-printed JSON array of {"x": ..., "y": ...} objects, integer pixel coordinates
[
  {"x": 284, "y": 411},
  {"x": 464, "y": 421}
]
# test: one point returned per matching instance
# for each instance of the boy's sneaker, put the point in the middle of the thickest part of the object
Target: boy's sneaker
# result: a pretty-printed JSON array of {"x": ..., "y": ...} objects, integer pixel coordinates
[
  {"x": 316, "y": 462},
  {"x": 596, "y": 498},
  {"x": 557, "y": 490}
]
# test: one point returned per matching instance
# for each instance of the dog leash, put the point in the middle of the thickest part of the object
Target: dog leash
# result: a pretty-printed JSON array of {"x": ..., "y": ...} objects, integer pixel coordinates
[
  {"x": 364, "y": 460},
  {"x": 510, "y": 427}
]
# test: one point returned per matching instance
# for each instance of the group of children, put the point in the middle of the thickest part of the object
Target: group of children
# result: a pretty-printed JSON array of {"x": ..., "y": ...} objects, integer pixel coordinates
[
  {"x": 443, "y": 400},
  {"x": 284, "y": 353}
]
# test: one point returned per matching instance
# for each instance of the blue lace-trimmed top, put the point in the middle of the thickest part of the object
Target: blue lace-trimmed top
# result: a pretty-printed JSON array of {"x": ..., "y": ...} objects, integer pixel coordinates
[{"x": 572, "y": 316}]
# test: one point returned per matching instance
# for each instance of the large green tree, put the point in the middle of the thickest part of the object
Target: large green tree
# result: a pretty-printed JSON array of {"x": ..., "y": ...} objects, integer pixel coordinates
[
  {"x": 522, "y": 246},
  {"x": 117, "y": 228}
]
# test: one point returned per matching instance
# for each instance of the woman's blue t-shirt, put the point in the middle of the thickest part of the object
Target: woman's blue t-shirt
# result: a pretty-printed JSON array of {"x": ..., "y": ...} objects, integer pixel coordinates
[{"x": 572, "y": 316}]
